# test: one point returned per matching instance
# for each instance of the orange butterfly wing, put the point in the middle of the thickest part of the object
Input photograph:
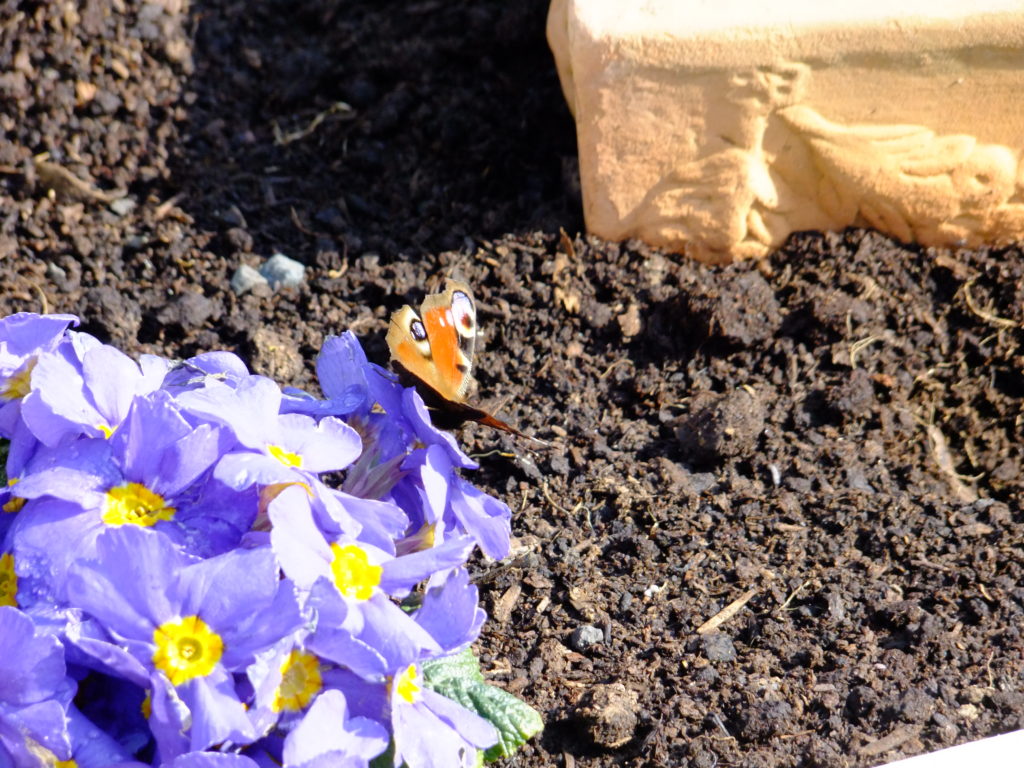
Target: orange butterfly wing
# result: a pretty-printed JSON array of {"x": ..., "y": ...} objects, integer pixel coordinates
[{"x": 436, "y": 345}]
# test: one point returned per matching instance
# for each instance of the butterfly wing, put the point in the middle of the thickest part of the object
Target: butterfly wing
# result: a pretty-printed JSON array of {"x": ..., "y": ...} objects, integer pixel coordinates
[
  {"x": 435, "y": 349},
  {"x": 436, "y": 345}
]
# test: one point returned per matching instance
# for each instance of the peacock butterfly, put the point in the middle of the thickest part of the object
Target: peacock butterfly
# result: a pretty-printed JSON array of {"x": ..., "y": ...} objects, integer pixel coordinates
[{"x": 433, "y": 351}]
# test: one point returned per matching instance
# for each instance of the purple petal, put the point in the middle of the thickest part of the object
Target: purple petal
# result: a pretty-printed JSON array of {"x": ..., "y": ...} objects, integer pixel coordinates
[
  {"x": 78, "y": 472},
  {"x": 57, "y": 407},
  {"x": 299, "y": 544},
  {"x": 340, "y": 370},
  {"x": 469, "y": 725},
  {"x": 217, "y": 714},
  {"x": 483, "y": 517},
  {"x": 249, "y": 409},
  {"x": 242, "y": 470},
  {"x": 212, "y": 760},
  {"x": 330, "y": 446},
  {"x": 31, "y": 664},
  {"x": 380, "y": 522},
  {"x": 436, "y": 474},
  {"x": 45, "y": 723},
  {"x": 26, "y": 333},
  {"x": 197, "y": 371},
  {"x": 129, "y": 588},
  {"x": 423, "y": 741},
  {"x": 239, "y": 595},
  {"x": 326, "y": 728},
  {"x": 92, "y": 746},
  {"x": 371, "y": 637},
  {"x": 428, "y": 434},
  {"x": 47, "y": 538},
  {"x": 451, "y": 613},
  {"x": 112, "y": 379},
  {"x": 403, "y": 573}
]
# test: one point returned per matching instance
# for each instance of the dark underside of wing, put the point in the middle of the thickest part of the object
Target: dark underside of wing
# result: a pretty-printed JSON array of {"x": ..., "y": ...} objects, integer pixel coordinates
[{"x": 449, "y": 414}]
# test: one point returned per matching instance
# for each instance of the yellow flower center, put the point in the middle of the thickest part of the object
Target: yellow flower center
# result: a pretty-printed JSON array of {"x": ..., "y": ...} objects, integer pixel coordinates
[
  {"x": 135, "y": 504},
  {"x": 353, "y": 574},
  {"x": 66, "y": 764},
  {"x": 420, "y": 541},
  {"x": 287, "y": 458},
  {"x": 186, "y": 649},
  {"x": 406, "y": 684},
  {"x": 8, "y": 581},
  {"x": 106, "y": 430},
  {"x": 300, "y": 682},
  {"x": 19, "y": 383},
  {"x": 15, "y": 504}
]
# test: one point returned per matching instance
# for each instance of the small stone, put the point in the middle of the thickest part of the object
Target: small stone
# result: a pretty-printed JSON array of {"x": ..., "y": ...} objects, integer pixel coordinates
[
  {"x": 916, "y": 705},
  {"x": 122, "y": 206},
  {"x": 189, "y": 310},
  {"x": 967, "y": 712},
  {"x": 55, "y": 273},
  {"x": 245, "y": 279},
  {"x": 239, "y": 239},
  {"x": 559, "y": 464},
  {"x": 281, "y": 271},
  {"x": 332, "y": 218},
  {"x": 585, "y": 636},
  {"x": 233, "y": 217},
  {"x": 609, "y": 712},
  {"x": 718, "y": 646},
  {"x": 763, "y": 719},
  {"x": 629, "y": 321},
  {"x": 719, "y": 426}
]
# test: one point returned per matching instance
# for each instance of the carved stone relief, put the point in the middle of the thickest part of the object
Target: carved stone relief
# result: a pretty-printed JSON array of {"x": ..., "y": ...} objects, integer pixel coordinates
[{"x": 771, "y": 164}]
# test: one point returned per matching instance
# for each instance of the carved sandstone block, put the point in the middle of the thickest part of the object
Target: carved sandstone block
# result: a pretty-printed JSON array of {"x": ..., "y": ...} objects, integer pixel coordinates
[{"x": 718, "y": 128}]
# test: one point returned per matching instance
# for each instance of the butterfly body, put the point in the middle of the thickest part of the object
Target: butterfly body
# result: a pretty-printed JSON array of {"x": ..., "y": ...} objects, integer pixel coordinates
[{"x": 433, "y": 351}]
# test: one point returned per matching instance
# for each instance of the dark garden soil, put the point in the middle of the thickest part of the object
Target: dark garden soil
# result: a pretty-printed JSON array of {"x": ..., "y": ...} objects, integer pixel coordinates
[{"x": 833, "y": 438}]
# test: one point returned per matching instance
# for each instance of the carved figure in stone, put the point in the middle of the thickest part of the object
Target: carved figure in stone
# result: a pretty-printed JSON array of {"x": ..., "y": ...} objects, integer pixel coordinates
[{"x": 772, "y": 165}]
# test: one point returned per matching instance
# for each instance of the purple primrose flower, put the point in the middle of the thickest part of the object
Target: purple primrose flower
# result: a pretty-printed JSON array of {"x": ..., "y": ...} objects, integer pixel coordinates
[
  {"x": 34, "y": 693},
  {"x": 191, "y": 623},
  {"x": 229, "y": 575}
]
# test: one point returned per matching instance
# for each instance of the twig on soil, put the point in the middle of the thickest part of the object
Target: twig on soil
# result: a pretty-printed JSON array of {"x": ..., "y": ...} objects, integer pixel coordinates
[
  {"x": 44, "y": 306},
  {"x": 929, "y": 564},
  {"x": 556, "y": 505},
  {"x": 281, "y": 138},
  {"x": 65, "y": 184},
  {"x": 565, "y": 242},
  {"x": 494, "y": 452},
  {"x": 161, "y": 211},
  {"x": 793, "y": 594},
  {"x": 721, "y": 726},
  {"x": 612, "y": 367},
  {"x": 859, "y": 346},
  {"x": 726, "y": 613},
  {"x": 298, "y": 223},
  {"x": 940, "y": 452},
  {"x": 988, "y": 317},
  {"x": 899, "y": 736}
]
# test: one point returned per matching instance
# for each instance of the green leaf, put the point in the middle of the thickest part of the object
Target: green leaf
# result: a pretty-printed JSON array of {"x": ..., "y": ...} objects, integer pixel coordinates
[{"x": 459, "y": 678}]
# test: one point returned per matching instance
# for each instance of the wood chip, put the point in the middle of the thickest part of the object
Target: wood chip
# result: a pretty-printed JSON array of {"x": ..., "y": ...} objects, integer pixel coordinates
[
  {"x": 726, "y": 613},
  {"x": 503, "y": 605},
  {"x": 894, "y": 739}
]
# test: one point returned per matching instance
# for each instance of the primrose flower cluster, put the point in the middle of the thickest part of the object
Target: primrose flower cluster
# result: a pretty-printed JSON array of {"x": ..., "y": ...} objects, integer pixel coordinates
[{"x": 181, "y": 586}]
